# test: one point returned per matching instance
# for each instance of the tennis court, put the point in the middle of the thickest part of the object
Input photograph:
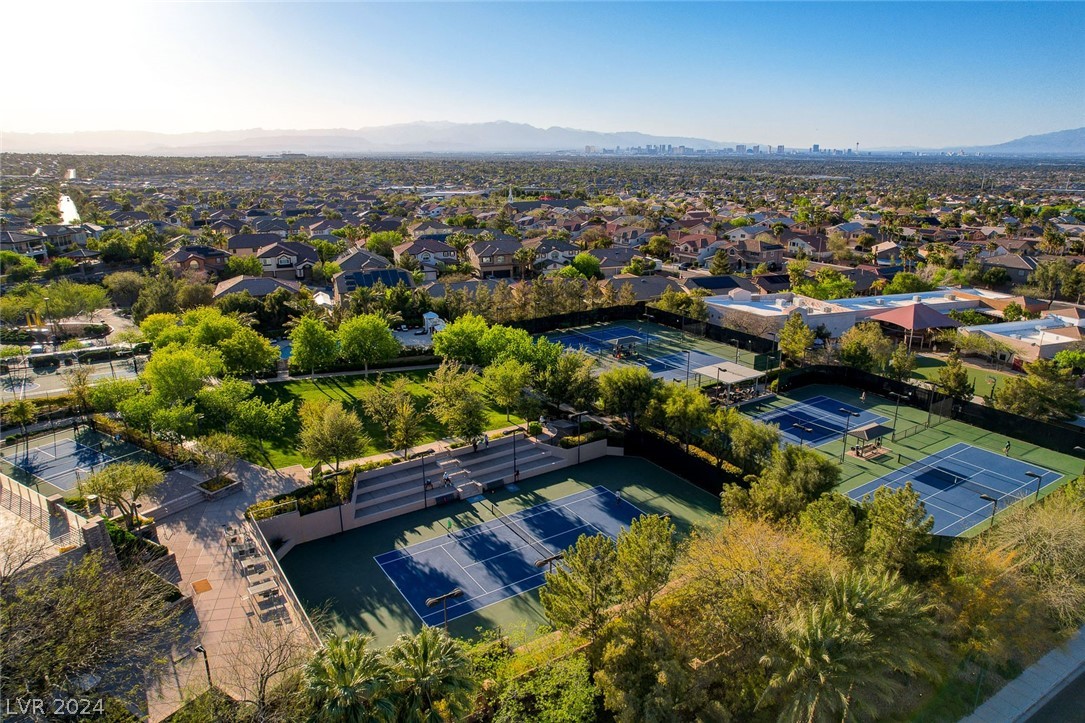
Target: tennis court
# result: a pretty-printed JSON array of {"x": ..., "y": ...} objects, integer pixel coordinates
[
  {"x": 818, "y": 420},
  {"x": 951, "y": 482},
  {"x": 496, "y": 559},
  {"x": 57, "y": 465},
  {"x": 638, "y": 346}
]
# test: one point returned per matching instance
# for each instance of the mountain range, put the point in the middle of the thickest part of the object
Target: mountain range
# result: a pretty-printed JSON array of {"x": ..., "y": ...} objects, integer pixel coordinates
[{"x": 424, "y": 137}]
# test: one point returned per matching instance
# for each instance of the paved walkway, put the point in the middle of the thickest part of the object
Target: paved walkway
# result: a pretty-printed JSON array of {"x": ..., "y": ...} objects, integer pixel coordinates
[
  {"x": 1026, "y": 694},
  {"x": 195, "y": 537}
]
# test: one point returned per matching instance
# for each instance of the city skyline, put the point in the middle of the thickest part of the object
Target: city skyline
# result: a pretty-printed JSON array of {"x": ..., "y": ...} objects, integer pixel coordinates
[{"x": 882, "y": 75}]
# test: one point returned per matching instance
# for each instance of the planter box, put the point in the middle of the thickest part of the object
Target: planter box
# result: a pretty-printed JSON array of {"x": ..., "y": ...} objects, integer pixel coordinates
[{"x": 232, "y": 487}]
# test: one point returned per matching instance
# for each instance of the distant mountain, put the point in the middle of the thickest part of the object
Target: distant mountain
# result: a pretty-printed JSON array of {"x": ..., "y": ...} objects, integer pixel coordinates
[
  {"x": 1061, "y": 143},
  {"x": 426, "y": 136}
]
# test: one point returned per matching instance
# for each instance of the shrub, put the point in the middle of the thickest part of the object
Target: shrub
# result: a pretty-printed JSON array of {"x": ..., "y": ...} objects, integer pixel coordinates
[
  {"x": 575, "y": 440},
  {"x": 534, "y": 429}
]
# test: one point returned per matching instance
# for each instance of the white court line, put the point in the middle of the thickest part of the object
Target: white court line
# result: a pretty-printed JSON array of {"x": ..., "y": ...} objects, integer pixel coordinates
[{"x": 597, "y": 491}]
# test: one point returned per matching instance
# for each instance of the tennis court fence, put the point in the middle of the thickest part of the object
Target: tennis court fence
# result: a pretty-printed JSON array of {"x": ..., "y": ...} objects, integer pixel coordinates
[{"x": 61, "y": 524}]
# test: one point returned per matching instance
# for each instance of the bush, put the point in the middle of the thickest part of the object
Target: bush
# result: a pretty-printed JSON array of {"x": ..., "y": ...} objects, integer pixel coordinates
[
  {"x": 216, "y": 484},
  {"x": 131, "y": 549},
  {"x": 534, "y": 429},
  {"x": 575, "y": 440},
  {"x": 724, "y": 466},
  {"x": 11, "y": 335}
]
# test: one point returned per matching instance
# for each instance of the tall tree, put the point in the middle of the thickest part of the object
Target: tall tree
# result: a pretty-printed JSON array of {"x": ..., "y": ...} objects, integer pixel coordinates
[
  {"x": 330, "y": 432},
  {"x": 1046, "y": 392},
  {"x": 796, "y": 338},
  {"x": 721, "y": 265},
  {"x": 367, "y": 339},
  {"x": 122, "y": 484},
  {"x": 953, "y": 378},
  {"x": 431, "y": 676},
  {"x": 314, "y": 345},
  {"x": 646, "y": 552},
  {"x": 347, "y": 682},
  {"x": 627, "y": 390},
  {"x": 506, "y": 382},
  {"x": 580, "y": 593},
  {"x": 899, "y": 527}
]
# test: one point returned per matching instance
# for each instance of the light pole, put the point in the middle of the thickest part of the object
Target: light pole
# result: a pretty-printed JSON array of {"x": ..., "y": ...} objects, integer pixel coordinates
[
  {"x": 207, "y": 666},
  {"x": 578, "y": 415},
  {"x": 688, "y": 353},
  {"x": 847, "y": 426},
  {"x": 1039, "y": 481},
  {"x": 425, "y": 482},
  {"x": 549, "y": 561},
  {"x": 896, "y": 410},
  {"x": 802, "y": 430},
  {"x": 994, "y": 507},
  {"x": 442, "y": 600}
]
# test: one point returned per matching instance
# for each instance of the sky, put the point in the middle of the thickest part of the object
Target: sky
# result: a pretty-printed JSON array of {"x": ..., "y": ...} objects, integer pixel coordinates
[{"x": 878, "y": 74}]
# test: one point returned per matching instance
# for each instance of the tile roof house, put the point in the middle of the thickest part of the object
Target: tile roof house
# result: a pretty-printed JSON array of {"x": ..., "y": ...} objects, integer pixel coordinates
[
  {"x": 197, "y": 257},
  {"x": 552, "y": 250},
  {"x": 345, "y": 282},
  {"x": 257, "y": 286},
  {"x": 23, "y": 243},
  {"x": 247, "y": 244},
  {"x": 1017, "y": 267},
  {"x": 277, "y": 226},
  {"x": 359, "y": 259},
  {"x": 613, "y": 259},
  {"x": 493, "y": 259},
  {"x": 645, "y": 288},
  {"x": 426, "y": 250},
  {"x": 287, "y": 259}
]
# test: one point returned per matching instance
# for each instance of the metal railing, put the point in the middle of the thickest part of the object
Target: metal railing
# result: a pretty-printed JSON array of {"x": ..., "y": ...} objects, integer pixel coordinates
[{"x": 285, "y": 587}]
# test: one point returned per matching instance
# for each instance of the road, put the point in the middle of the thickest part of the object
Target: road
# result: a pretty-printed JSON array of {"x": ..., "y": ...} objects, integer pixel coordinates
[{"x": 69, "y": 214}]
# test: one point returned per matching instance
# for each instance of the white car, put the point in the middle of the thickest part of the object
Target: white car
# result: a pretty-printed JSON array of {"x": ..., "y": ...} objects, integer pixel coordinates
[{"x": 37, "y": 349}]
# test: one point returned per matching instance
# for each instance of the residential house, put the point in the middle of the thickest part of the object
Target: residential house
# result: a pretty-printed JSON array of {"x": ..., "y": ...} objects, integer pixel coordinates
[
  {"x": 719, "y": 285},
  {"x": 197, "y": 257},
  {"x": 614, "y": 259},
  {"x": 247, "y": 244},
  {"x": 493, "y": 259},
  {"x": 746, "y": 233},
  {"x": 23, "y": 243},
  {"x": 287, "y": 260},
  {"x": 276, "y": 226},
  {"x": 851, "y": 230},
  {"x": 1018, "y": 268},
  {"x": 345, "y": 282},
  {"x": 359, "y": 259},
  {"x": 63, "y": 237},
  {"x": 813, "y": 246},
  {"x": 759, "y": 250},
  {"x": 428, "y": 251},
  {"x": 645, "y": 288},
  {"x": 256, "y": 286},
  {"x": 552, "y": 251}
]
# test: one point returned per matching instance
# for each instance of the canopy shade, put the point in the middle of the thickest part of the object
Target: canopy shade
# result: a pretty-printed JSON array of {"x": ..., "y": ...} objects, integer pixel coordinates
[
  {"x": 874, "y": 431},
  {"x": 916, "y": 317},
  {"x": 729, "y": 372}
]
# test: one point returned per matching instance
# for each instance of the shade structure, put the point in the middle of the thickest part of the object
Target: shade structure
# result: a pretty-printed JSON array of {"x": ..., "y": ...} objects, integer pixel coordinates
[
  {"x": 729, "y": 372},
  {"x": 916, "y": 317},
  {"x": 874, "y": 431}
]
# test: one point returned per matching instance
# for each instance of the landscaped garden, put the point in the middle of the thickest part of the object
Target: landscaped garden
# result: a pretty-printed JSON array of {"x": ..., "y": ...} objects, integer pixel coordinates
[{"x": 283, "y": 449}]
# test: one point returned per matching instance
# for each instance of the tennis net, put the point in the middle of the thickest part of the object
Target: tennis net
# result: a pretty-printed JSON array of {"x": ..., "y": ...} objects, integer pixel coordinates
[{"x": 522, "y": 533}]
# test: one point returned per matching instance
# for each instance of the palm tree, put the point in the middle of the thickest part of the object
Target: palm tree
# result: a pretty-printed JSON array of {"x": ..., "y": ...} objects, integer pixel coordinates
[
  {"x": 525, "y": 256},
  {"x": 842, "y": 655},
  {"x": 347, "y": 682},
  {"x": 432, "y": 676}
]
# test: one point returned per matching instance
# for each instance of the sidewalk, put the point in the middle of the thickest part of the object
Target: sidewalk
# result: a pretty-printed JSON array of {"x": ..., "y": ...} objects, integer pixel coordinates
[{"x": 1027, "y": 693}]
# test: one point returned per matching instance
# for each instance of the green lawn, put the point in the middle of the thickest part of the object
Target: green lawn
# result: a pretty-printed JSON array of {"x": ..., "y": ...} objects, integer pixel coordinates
[
  {"x": 282, "y": 449},
  {"x": 927, "y": 368}
]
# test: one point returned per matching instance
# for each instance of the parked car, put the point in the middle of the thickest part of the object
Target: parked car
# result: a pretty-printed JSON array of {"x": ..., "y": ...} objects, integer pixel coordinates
[{"x": 37, "y": 349}]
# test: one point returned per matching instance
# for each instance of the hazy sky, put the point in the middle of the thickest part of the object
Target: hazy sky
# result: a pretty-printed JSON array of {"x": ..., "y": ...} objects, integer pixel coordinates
[{"x": 880, "y": 74}]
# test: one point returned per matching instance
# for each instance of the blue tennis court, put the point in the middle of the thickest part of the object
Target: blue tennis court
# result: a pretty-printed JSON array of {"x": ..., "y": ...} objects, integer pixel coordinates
[
  {"x": 822, "y": 416},
  {"x": 495, "y": 560},
  {"x": 950, "y": 483},
  {"x": 65, "y": 462}
]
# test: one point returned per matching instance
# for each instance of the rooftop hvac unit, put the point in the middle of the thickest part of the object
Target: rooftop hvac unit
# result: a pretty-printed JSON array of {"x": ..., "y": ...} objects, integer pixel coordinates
[
  {"x": 916, "y": 298},
  {"x": 951, "y": 297},
  {"x": 755, "y": 297},
  {"x": 879, "y": 301}
]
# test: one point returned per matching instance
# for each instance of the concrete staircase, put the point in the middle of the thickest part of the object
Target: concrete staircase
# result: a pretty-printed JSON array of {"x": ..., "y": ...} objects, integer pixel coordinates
[{"x": 400, "y": 488}]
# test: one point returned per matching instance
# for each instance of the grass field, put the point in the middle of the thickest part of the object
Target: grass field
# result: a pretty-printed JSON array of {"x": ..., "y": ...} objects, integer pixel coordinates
[
  {"x": 915, "y": 441},
  {"x": 282, "y": 449},
  {"x": 927, "y": 367},
  {"x": 339, "y": 575}
]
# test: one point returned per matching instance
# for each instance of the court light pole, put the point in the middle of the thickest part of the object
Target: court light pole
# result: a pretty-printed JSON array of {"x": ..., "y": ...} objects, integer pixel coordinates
[
  {"x": 847, "y": 426},
  {"x": 802, "y": 430},
  {"x": 896, "y": 410},
  {"x": 578, "y": 415},
  {"x": 442, "y": 600},
  {"x": 994, "y": 507},
  {"x": 425, "y": 482},
  {"x": 207, "y": 666},
  {"x": 1039, "y": 481},
  {"x": 688, "y": 353},
  {"x": 549, "y": 561}
]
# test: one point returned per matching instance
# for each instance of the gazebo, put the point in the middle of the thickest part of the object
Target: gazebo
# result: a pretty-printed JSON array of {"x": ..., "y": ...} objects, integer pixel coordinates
[
  {"x": 916, "y": 317},
  {"x": 729, "y": 374}
]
